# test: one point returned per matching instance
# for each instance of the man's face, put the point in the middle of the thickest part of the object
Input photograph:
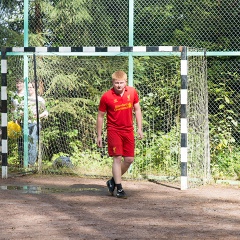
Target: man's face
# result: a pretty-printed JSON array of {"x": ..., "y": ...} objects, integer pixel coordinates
[
  {"x": 19, "y": 86},
  {"x": 119, "y": 85}
]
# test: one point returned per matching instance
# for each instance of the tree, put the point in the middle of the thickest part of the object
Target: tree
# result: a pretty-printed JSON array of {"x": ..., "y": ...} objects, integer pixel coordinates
[{"x": 11, "y": 23}]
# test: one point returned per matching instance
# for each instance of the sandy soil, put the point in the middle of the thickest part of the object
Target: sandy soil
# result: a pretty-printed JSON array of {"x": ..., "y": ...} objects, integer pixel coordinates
[{"x": 63, "y": 207}]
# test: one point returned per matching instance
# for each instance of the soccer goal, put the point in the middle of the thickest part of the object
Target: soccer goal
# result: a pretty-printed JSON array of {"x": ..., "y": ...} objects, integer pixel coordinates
[{"x": 172, "y": 86}]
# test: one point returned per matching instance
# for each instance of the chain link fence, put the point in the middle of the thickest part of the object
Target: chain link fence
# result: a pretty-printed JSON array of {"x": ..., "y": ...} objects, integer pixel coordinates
[
  {"x": 223, "y": 82},
  {"x": 213, "y": 25},
  {"x": 72, "y": 87}
]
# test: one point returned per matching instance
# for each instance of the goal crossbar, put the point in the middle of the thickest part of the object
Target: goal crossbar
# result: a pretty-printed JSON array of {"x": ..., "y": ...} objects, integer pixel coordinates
[{"x": 100, "y": 51}]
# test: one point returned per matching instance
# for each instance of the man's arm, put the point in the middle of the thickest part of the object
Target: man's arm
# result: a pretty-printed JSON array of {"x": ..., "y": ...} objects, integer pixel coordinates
[
  {"x": 138, "y": 114},
  {"x": 100, "y": 118}
]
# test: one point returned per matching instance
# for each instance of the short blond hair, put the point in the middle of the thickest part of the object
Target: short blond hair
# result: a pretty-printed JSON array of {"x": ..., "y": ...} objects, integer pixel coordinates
[{"x": 119, "y": 75}]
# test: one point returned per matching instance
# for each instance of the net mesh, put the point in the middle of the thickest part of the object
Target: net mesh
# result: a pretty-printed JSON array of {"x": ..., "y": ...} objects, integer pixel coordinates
[
  {"x": 72, "y": 87},
  {"x": 205, "y": 24},
  {"x": 198, "y": 125},
  {"x": 213, "y": 25}
]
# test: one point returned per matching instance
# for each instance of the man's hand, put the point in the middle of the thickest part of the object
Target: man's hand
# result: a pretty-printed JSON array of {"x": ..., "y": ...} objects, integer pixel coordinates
[
  {"x": 99, "y": 141},
  {"x": 140, "y": 134}
]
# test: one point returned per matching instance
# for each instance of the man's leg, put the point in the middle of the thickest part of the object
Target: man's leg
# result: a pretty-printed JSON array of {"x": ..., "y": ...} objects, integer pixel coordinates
[
  {"x": 115, "y": 146},
  {"x": 126, "y": 164},
  {"x": 114, "y": 143},
  {"x": 117, "y": 169}
]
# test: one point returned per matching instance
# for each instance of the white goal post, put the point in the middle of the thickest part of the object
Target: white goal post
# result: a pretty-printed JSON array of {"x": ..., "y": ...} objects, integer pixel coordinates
[{"x": 180, "y": 51}]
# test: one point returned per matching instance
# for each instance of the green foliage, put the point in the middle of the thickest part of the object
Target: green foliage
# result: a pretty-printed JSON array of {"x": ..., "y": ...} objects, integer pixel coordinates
[
  {"x": 12, "y": 159},
  {"x": 157, "y": 88},
  {"x": 159, "y": 152},
  {"x": 73, "y": 85},
  {"x": 225, "y": 164},
  {"x": 224, "y": 127},
  {"x": 11, "y": 22},
  {"x": 204, "y": 23},
  {"x": 83, "y": 162}
]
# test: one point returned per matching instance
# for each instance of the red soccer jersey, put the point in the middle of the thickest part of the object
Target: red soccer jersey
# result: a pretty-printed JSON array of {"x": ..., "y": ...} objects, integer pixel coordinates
[{"x": 119, "y": 109}]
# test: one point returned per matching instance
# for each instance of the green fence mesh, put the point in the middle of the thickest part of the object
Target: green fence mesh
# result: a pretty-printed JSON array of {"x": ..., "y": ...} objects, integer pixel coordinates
[
  {"x": 213, "y": 25},
  {"x": 72, "y": 86}
]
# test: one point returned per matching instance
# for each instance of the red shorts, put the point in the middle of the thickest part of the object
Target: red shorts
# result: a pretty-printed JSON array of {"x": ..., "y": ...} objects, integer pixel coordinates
[{"x": 120, "y": 143}]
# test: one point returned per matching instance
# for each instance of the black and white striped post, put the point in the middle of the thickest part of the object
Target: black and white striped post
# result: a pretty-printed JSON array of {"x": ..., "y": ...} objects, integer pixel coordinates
[
  {"x": 103, "y": 51},
  {"x": 4, "y": 112},
  {"x": 184, "y": 122}
]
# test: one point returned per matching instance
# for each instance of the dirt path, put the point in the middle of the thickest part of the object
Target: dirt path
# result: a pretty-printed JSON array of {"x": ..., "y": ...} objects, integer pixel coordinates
[{"x": 53, "y": 207}]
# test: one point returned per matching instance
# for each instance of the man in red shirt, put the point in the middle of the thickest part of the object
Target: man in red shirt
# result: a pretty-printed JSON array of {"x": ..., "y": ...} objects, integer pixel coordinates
[{"x": 119, "y": 103}]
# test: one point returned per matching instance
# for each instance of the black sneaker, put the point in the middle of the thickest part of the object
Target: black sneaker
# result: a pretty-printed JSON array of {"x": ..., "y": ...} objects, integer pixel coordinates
[
  {"x": 121, "y": 194},
  {"x": 111, "y": 186}
]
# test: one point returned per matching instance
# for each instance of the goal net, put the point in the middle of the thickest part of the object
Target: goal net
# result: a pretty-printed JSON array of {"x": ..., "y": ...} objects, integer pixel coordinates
[{"x": 72, "y": 87}]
